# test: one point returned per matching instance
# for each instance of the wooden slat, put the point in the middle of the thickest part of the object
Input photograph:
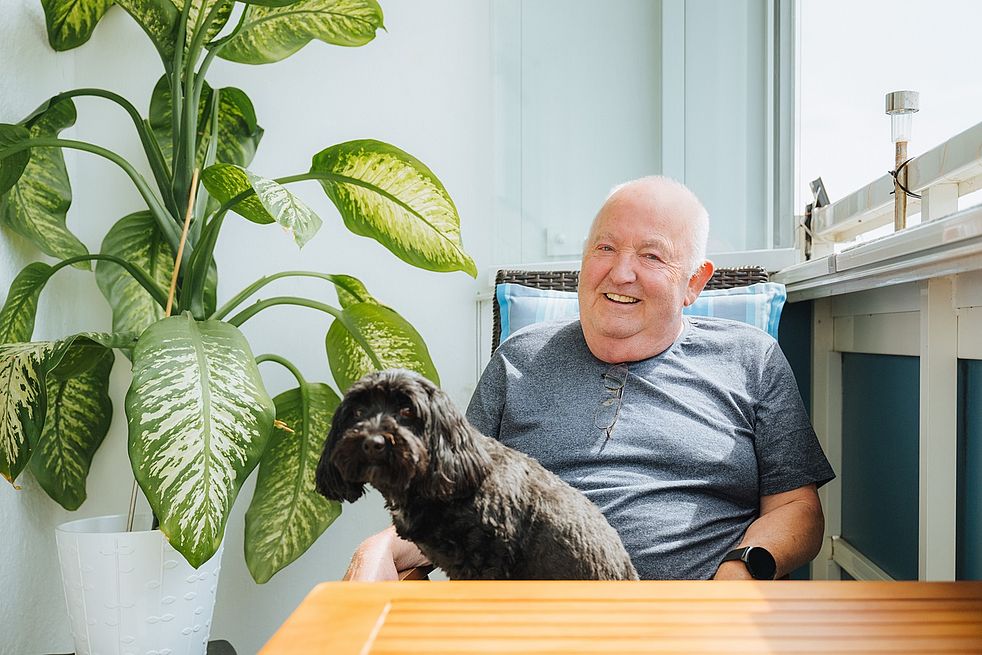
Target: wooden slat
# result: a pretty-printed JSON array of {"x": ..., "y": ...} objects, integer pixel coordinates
[{"x": 653, "y": 617}]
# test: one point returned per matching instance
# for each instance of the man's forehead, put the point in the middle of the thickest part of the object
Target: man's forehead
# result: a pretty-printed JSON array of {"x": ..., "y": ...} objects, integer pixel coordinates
[{"x": 641, "y": 240}]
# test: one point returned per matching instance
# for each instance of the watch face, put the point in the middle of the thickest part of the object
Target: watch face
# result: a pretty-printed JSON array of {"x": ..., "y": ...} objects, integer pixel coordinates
[{"x": 761, "y": 563}]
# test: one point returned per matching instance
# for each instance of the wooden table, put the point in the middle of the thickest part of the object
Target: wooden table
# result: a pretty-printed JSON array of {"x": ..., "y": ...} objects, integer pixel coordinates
[{"x": 339, "y": 618}]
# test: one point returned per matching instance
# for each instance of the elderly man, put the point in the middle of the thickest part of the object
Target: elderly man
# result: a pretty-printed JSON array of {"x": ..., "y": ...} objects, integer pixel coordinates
[{"x": 687, "y": 432}]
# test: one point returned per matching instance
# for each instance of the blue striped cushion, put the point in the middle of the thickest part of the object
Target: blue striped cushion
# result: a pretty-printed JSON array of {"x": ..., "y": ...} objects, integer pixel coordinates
[{"x": 757, "y": 304}]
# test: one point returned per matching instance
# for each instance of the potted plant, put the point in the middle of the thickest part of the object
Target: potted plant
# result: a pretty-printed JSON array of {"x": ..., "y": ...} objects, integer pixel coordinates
[{"x": 199, "y": 417}]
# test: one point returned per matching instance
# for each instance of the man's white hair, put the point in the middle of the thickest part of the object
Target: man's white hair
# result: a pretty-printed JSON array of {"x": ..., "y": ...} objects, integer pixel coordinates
[{"x": 698, "y": 222}]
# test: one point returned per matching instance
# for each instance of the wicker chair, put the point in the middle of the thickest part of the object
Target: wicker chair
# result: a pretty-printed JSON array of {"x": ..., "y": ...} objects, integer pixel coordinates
[{"x": 723, "y": 278}]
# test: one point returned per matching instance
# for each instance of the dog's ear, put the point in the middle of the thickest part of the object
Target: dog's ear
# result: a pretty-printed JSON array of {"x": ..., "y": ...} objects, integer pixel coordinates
[
  {"x": 328, "y": 478},
  {"x": 458, "y": 461}
]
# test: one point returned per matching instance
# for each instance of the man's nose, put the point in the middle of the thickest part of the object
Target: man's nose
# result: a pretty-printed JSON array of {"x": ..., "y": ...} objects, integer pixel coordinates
[
  {"x": 622, "y": 271},
  {"x": 373, "y": 445}
]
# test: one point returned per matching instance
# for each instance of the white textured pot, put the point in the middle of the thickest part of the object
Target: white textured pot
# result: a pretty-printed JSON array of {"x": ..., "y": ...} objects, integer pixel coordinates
[{"x": 131, "y": 593}]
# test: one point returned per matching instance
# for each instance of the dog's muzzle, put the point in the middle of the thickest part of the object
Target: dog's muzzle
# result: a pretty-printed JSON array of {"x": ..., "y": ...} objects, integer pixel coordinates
[{"x": 373, "y": 446}]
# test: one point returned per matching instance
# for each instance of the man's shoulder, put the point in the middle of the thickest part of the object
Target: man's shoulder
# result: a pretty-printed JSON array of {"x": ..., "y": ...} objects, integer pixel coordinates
[{"x": 725, "y": 333}]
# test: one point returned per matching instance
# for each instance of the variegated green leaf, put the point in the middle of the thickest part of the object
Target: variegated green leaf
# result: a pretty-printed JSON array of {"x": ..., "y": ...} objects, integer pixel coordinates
[
  {"x": 199, "y": 419},
  {"x": 37, "y": 206},
  {"x": 238, "y": 132},
  {"x": 78, "y": 416},
  {"x": 392, "y": 197},
  {"x": 351, "y": 290},
  {"x": 75, "y": 355},
  {"x": 271, "y": 202},
  {"x": 272, "y": 33},
  {"x": 22, "y": 403},
  {"x": 136, "y": 239},
  {"x": 21, "y": 305},
  {"x": 287, "y": 514},
  {"x": 394, "y": 341},
  {"x": 272, "y": 3},
  {"x": 221, "y": 17},
  {"x": 71, "y": 22},
  {"x": 159, "y": 19},
  {"x": 12, "y": 166}
]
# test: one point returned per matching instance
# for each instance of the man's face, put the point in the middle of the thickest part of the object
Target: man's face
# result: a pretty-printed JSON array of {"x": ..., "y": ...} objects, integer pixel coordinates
[{"x": 636, "y": 275}]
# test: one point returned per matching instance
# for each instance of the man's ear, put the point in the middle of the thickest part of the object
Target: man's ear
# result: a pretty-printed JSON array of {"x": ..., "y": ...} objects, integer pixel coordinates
[{"x": 698, "y": 281}]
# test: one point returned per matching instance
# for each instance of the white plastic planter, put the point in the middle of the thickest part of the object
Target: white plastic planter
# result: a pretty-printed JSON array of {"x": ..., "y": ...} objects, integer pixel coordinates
[{"x": 131, "y": 592}]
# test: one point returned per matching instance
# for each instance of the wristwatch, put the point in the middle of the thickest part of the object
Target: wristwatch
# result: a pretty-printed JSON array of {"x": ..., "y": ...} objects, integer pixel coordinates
[{"x": 758, "y": 560}]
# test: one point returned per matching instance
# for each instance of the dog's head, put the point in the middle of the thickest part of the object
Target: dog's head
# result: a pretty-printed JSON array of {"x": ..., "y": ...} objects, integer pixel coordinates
[{"x": 400, "y": 433}]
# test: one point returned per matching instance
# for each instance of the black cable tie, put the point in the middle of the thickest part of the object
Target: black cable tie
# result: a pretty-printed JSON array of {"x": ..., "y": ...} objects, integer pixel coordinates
[{"x": 895, "y": 175}]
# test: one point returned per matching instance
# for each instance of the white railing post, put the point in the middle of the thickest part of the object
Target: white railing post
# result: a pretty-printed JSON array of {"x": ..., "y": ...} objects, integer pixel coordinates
[
  {"x": 939, "y": 201},
  {"x": 827, "y": 419},
  {"x": 938, "y": 451}
]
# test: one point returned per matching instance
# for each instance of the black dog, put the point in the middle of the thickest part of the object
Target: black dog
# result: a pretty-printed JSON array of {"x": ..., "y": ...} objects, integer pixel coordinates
[{"x": 476, "y": 508}]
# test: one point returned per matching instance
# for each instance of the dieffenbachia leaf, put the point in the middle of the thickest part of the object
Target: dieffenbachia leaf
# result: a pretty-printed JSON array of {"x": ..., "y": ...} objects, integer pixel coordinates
[
  {"x": 238, "y": 132},
  {"x": 199, "y": 419},
  {"x": 392, "y": 197},
  {"x": 394, "y": 341},
  {"x": 287, "y": 514},
  {"x": 37, "y": 205},
  {"x": 78, "y": 415},
  {"x": 21, "y": 305},
  {"x": 270, "y": 202},
  {"x": 70, "y": 22},
  {"x": 272, "y": 3},
  {"x": 22, "y": 403},
  {"x": 271, "y": 33},
  {"x": 12, "y": 166},
  {"x": 350, "y": 290},
  {"x": 136, "y": 239},
  {"x": 159, "y": 19}
]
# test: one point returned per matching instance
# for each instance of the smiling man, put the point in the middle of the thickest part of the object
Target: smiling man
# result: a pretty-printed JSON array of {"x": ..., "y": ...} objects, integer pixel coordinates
[{"x": 687, "y": 432}]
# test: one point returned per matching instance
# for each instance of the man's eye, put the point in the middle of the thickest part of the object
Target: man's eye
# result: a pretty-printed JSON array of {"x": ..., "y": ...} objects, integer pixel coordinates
[
  {"x": 605, "y": 248},
  {"x": 407, "y": 412},
  {"x": 653, "y": 257}
]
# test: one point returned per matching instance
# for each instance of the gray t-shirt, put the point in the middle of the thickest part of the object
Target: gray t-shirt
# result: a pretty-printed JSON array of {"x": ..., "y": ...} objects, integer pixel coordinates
[{"x": 705, "y": 428}]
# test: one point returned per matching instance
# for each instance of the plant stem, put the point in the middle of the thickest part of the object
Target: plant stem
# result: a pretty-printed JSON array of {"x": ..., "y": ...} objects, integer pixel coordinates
[
  {"x": 263, "y": 281},
  {"x": 141, "y": 278},
  {"x": 176, "y": 91},
  {"x": 285, "y": 363},
  {"x": 150, "y": 148},
  {"x": 251, "y": 311},
  {"x": 193, "y": 289},
  {"x": 180, "y": 249},
  {"x": 167, "y": 226}
]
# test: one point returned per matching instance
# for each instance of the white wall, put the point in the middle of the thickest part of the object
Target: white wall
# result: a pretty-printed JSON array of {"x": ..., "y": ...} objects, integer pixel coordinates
[{"x": 423, "y": 85}]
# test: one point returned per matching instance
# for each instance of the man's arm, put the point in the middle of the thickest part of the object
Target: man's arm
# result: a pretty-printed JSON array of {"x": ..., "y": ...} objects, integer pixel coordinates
[
  {"x": 382, "y": 556},
  {"x": 791, "y": 526}
]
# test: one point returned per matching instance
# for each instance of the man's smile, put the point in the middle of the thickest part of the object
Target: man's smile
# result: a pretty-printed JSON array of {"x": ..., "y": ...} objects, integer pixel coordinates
[{"x": 624, "y": 300}]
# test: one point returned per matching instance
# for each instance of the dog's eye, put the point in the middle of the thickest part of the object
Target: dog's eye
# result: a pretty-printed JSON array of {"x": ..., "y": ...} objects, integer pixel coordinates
[
  {"x": 359, "y": 413},
  {"x": 407, "y": 412}
]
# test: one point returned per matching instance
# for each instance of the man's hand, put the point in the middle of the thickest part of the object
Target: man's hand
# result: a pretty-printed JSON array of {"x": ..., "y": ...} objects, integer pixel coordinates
[{"x": 382, "y": 556}]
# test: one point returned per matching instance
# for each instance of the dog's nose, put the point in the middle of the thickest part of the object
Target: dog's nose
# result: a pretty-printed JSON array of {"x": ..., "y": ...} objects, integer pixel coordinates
[{"x": 373, "y": 445}]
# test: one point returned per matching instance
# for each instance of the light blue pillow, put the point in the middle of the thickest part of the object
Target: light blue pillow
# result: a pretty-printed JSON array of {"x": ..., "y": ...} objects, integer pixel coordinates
[{"x": 758, "y": 304}]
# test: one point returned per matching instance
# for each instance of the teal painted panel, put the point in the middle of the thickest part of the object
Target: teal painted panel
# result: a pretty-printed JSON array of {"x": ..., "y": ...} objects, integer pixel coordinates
[
  {"x": 880, "y": 415},
  {"x": 794, "y": 333},
  {"x": 968, "y": 540},
  {"x": 795, "y": 337}
]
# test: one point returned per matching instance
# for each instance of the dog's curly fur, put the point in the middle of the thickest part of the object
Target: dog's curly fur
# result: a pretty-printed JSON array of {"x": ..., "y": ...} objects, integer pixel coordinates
[{"x": 476, "y": 508}]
